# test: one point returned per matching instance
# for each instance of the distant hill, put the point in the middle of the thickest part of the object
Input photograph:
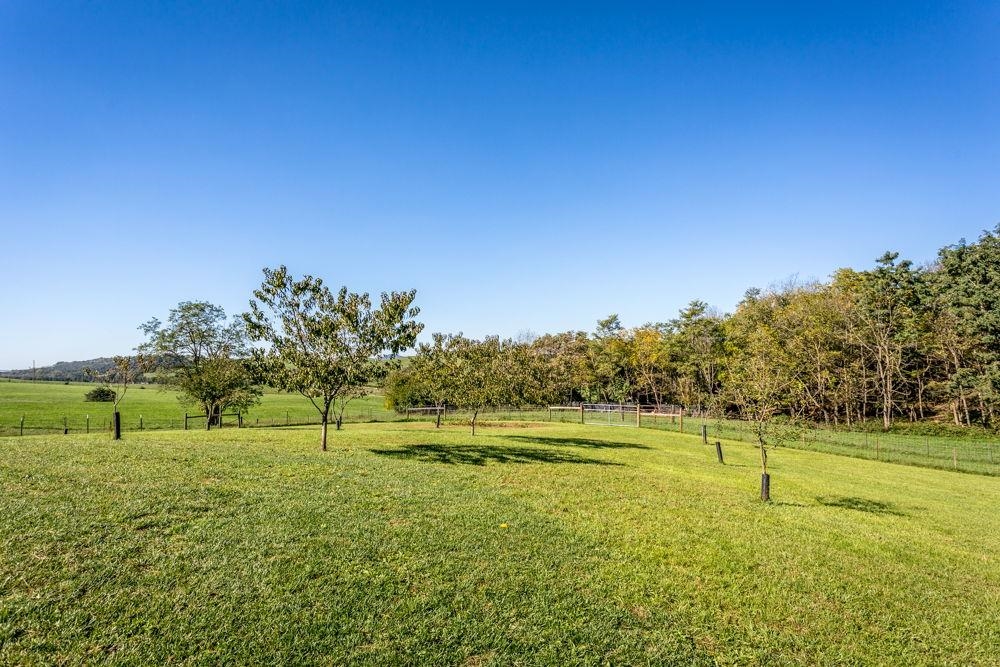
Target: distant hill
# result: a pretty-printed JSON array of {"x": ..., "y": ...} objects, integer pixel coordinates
[{"x": 63, "y": 371}]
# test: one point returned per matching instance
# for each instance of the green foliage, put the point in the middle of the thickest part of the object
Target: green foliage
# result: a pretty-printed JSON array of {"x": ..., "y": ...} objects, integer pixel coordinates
[
  {"x": 100, "y": 394},
  {"x": 204, "y": 357},
  {"x": 328, "y": 348}
]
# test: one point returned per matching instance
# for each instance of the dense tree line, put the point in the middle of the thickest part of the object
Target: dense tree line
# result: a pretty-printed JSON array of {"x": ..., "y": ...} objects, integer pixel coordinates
[{"x": 897, "y": 341}]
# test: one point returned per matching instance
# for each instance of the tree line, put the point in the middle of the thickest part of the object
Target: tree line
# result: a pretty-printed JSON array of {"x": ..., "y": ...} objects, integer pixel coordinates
[{"x": 896, "y": 341}]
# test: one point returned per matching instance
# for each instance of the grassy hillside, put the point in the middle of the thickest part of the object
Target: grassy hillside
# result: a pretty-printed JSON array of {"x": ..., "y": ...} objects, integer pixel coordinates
[{"x": 544, "y": 544}]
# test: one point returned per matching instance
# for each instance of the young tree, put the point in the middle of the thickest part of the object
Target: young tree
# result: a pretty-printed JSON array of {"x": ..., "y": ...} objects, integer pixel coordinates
[
  {"x": 329, "y": 348},
  {"x": 205, "y": 357},
  {"x": 758, "y": 376},
  {"x": 123, "y": 373}
]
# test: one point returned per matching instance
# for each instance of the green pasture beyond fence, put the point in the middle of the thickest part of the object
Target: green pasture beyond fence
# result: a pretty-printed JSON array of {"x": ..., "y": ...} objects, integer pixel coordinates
[{"x": 961, "y": 454}]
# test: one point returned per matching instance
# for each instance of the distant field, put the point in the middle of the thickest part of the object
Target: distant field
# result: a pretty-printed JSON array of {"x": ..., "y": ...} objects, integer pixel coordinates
[
  {"x": 543, "y": 544},
  {"x": 45, "y": 405}
]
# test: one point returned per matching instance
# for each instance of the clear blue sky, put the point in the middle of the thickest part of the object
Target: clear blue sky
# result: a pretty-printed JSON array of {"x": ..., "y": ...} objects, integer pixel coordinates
[{"x": 523, "y": 165}]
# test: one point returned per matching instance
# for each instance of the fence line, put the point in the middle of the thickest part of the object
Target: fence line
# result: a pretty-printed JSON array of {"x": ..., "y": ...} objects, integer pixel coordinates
[{"x": 981, "y": 456}]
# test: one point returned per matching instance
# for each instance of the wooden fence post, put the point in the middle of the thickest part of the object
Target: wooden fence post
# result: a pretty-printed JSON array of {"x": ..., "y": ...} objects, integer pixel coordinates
[
  {"x": 185, "y": 421},
  {"x": 718, "y": 452},
  {"x": 22, "y": 424},
  {"x": 704, "y": 434},
  {"x": 954, "y": 457},
  {"x": 680, "y": 426},
  {"x": 140, "y": 422},
  {"x": 581, "y": 413},
  {"x": 637, "y": 415},
  {"x": 88, "y": 423}
]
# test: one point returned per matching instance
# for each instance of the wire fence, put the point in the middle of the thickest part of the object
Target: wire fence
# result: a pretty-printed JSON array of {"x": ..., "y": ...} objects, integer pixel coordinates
[
  {"x": 973, "y": 455},
  {"x": 980, "y": 456}
]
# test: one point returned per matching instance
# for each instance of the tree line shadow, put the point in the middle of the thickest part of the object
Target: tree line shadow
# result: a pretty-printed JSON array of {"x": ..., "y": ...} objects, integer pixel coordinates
[
  {"x": 861, "y": 505},
  {"x": 482, "y": 454}
]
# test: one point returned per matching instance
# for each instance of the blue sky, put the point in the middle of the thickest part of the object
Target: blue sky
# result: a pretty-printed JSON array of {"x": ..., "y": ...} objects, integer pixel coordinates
[{"x": 522, "y": 165}]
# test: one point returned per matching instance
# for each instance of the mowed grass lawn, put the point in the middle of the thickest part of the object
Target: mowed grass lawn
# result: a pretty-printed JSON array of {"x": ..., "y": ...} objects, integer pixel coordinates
[{"x": 535, "y": 544}]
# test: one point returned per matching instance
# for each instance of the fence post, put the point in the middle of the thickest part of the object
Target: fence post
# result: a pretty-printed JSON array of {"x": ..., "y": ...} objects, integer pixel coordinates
[
  {"x": 65, "y": 425},
  {"x": 140, "y": 422},
  {"x": 704, "y": 434},
  {"x": 88, "y": 423},
  {"x": 954, "y": 457},
  {"x": 718, "y": 452},
  {"x": 286, "y": 418},
  {"x": 581, "y": 413},
  {"x": 185, "y": 421},
  {"x": 407, "y": 414},
  {"x": 22, "y": 424},
  {"x": 680, "y": 426},
  {"x": 637, "y": 415}
]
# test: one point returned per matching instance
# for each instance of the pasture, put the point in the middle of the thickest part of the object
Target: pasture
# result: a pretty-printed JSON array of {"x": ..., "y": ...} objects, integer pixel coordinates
[
  {"x": 45, "y": 406},
  {"x": 536, "y": 543}
]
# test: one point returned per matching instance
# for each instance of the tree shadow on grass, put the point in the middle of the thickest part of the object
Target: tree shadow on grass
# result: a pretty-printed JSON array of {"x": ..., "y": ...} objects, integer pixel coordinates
[
  {"x": 861, "y": 505},
  {"x": 573, "y": 442},
  {"x": 480, "y": 455}
]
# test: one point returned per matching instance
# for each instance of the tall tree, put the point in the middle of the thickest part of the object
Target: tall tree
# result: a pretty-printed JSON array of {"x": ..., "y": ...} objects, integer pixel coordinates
[
  {"x": 329, "y": 348},
  {"x": 882, "y": 323},
  {"x": 969, "y": 294},
  {"x": 204, "y": 356},
  {"x": 432, "y": 371},
  {"x": 698, "y": 344}
]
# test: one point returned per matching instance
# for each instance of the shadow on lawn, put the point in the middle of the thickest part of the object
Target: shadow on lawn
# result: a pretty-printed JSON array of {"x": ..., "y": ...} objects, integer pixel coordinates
[
  {"x": 574, "y": 442},
  {"x": 861, "y": 505},
  {"x": 479, "y": 455}
]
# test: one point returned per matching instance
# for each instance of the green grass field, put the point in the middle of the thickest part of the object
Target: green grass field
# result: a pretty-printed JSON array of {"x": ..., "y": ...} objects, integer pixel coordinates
[
  {"x": 538, "y": 544},
  {"x": 45, "y": 406}
]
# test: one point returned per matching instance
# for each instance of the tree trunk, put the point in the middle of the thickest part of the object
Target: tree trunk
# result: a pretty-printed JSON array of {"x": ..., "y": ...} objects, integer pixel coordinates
[
  {"x": 324, "y": 419},
  {"x": 117, "y": 425},
  {"x": 438, "y": 423},
  {"x": 340, "y": 420},
  {"x": 475, "y": 414},
  {"x": 765, "y": 478}
]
